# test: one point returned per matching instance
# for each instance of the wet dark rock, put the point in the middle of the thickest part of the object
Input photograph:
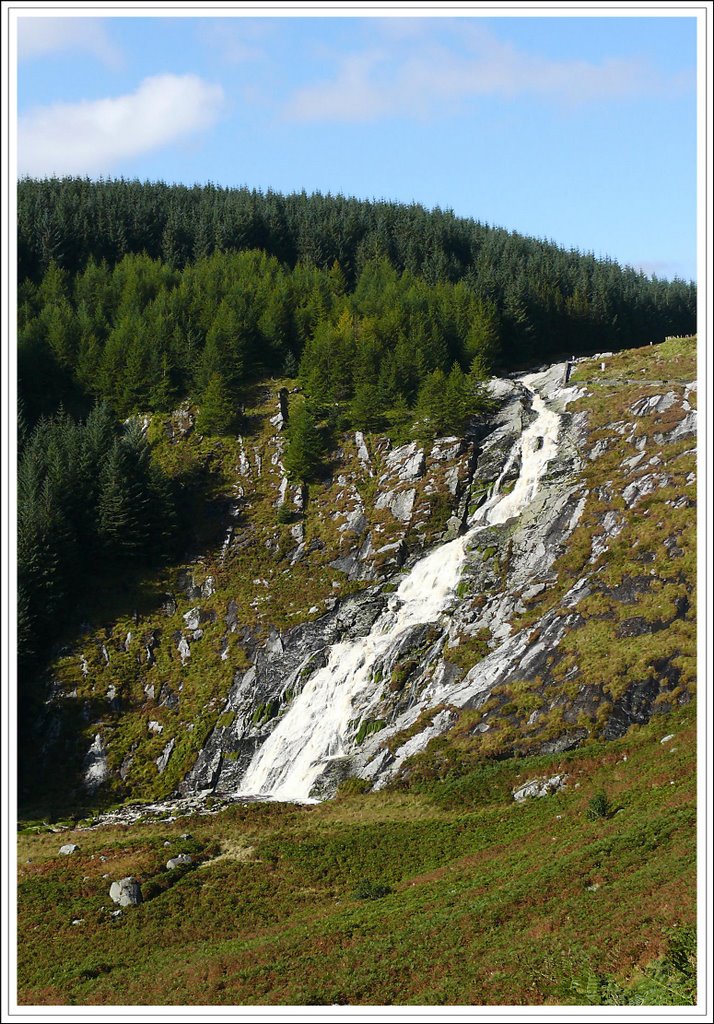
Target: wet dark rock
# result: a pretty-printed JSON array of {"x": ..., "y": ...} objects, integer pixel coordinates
[
  {"x": 629, "y": 590},
  {"x": 167, "y": 698},
  {"x": 634, "y": 708},
  {"x": 186, "y": 584},
  {"x": 568, "y": 741},
  {"x": 336, "y": 771},
  {"x": 637, "y": 626},
  {"x": 231, "y": 617}
]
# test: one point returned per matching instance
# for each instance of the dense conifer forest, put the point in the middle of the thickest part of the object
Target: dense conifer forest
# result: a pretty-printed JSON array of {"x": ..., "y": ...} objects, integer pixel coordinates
[
  {"x": 134, "y": 297},
  {"x": 139, "y": 291}
]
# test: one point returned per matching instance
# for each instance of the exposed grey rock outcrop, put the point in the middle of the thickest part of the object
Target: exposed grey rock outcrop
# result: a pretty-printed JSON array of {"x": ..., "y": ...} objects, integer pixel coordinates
[
  {"x": 180, "y": 424},
  {"x": 260, "y": 695},
  {"x": 507, "y": 565},
  {"x": 163, "y": 759},
  {"x": 280, "y": 420},
  {"x": 406, "y": 463},
  {"x": 654, "y": 403},
  {"x": 539, "y": 788},
  {"x": 184, "y": 649},
  {"x": 420, "y": 677},
  {"x": 363, "y": 452},
  {"x": 96, "y": 768},
  {"x": 399, "y": 503}
]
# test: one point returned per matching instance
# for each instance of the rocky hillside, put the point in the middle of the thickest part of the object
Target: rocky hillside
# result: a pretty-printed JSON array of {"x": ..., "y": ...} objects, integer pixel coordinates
[{"x": 570, "y": 619}]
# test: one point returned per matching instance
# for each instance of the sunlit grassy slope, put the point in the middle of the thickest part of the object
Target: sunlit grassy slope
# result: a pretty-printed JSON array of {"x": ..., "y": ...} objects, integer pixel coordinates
[
  {"x": 491, "y": 902},
  {"x": 442, "y": 890}
]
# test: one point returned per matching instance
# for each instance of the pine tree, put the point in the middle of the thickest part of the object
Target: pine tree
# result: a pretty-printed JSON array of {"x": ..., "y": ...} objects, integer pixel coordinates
[
  {"x": 163, "y": 393},
  {"x": 217, "y": 413},
  {"x": 114, "y": 508},
  {"x": 367, "y": 409},
  {"x": 290, "y": 365},
  {"x": 479, "y": 401},
  {"x": 431, "y": 413},
  {"x": 305, "y": 449},
  {"x": 124, "y": 497},
  {"x": 59, "y": 323}
]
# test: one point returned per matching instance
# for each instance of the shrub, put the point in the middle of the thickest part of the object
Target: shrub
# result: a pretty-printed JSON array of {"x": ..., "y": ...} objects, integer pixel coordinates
[
  {"x": 599, "y": 807},
  {"x": 285, "y": 514},
  {"x": 365, "y": 890}
]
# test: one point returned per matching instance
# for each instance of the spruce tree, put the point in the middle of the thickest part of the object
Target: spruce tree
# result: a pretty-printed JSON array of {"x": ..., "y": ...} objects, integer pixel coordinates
[
  {"x": 305, "y": 449},
  {"x": 430, "y": 412},
  {"x": 114, "y": 508},
  {"x": 217, "y": 414},
  {"x": 367, "y": 409}
]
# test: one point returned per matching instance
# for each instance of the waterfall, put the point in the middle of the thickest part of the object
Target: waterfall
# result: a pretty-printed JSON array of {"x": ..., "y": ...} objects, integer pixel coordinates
[{"x": 320, "y": 721}]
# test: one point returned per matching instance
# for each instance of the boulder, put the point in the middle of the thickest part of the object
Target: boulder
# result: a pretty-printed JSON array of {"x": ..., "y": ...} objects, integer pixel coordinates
[
  {"x": 126, "y": 892},
  {"x": 68, "y": 849},
  {"x": 539, "y": 787},
  {"x": 178, "y": 861}
]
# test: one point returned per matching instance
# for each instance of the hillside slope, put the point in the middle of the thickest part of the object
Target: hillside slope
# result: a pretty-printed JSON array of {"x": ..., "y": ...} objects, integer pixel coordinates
[
  {"x": 454, "y": 895},
  {"x": 564, "y": 666},
  {"x": 572, "y": 621}
]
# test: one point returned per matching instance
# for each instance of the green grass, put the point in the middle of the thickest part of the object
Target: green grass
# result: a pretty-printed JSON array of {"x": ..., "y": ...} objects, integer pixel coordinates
[{"x": 473, "y": 900}]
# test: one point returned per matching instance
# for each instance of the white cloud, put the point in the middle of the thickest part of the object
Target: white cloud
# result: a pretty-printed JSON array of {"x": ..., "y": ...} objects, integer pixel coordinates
[
  {"x": 37, "y": 37},
  {"x": 93, "y": 136},
  {"x": 430, "y": 77}
]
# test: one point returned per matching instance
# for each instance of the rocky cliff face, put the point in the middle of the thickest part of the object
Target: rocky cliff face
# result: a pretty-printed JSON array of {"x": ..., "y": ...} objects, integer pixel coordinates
[
  {"x": 514, "y": 526},
  {"x": 517, "y": 590}
]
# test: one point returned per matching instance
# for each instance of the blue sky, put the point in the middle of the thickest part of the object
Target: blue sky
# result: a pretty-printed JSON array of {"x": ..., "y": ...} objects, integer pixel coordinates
[{"x": 581, "y": 130}]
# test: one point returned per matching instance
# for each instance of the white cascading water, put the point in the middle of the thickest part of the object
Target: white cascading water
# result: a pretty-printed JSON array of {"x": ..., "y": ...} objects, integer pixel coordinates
[{"x": 318, "y": 724}]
